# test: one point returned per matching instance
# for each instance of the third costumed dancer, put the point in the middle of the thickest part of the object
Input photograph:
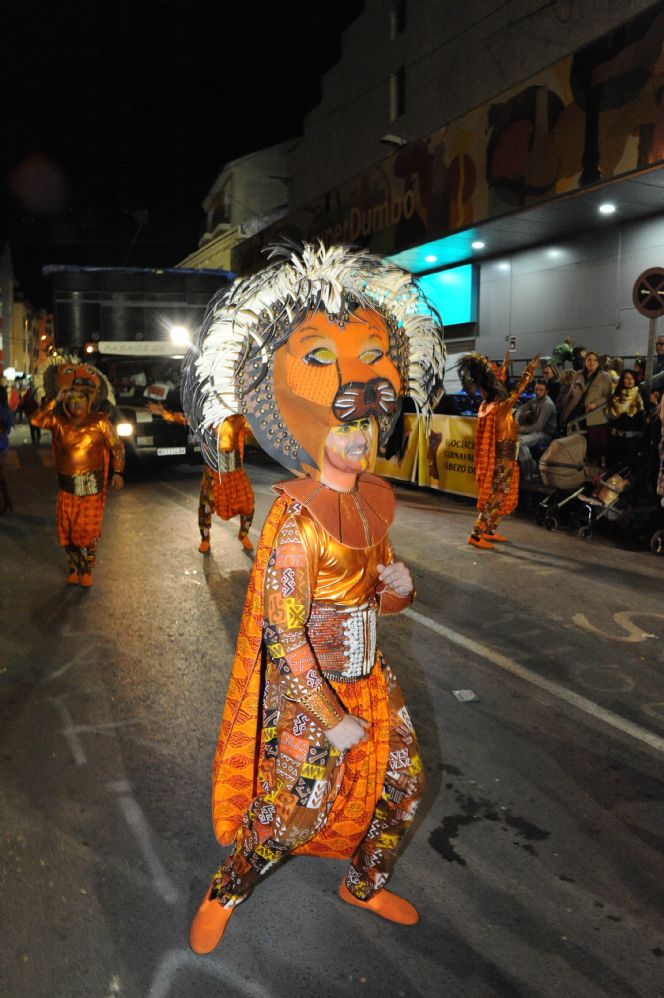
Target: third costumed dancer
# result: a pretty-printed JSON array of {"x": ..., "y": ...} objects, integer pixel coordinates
[
  {"x": 496, "y": 467},
  {"x": 316, "y": 752},
  {"x": 226, "y": 491}
]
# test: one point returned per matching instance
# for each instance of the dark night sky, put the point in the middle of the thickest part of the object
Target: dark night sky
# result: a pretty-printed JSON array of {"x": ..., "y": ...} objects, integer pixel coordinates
[{"x": 111, "y": 108}]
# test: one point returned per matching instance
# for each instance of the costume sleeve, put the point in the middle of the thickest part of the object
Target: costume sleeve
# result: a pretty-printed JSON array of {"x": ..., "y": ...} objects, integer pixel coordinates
[
  {"x": 524, "y": 381},
  {"x": 45, "y": 417},
  {"x": 114, "y": 444},
  {"x": 389, "y": 602},
  {"x": 287, "y": 602},
  {"x": 175, "y": 417}
]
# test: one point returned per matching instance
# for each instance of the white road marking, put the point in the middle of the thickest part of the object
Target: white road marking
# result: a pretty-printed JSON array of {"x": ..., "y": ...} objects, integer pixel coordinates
[
  {"x": 138, "y": 823},
  {"x": 69, "y": 731},
  {"x": 78, "y": 659},
  {"x": 178, "y": 959},
  {"x": 504, "y": 662},
  {"x": 622, "y": 619}
]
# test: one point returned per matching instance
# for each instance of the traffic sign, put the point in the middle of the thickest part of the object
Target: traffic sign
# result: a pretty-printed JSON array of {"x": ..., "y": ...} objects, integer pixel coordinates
[{"x": 648, "y": 293}]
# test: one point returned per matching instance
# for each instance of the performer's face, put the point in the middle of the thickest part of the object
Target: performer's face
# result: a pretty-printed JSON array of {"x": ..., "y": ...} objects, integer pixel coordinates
[
  {"x": 76, "y": 404},
  {"x": 328, "y": 374},
  {"x": 351, "y": 447}
]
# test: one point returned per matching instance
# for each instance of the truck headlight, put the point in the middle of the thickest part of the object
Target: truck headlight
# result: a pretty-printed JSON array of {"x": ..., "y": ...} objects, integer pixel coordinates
[{"x": 124, "y": 429}]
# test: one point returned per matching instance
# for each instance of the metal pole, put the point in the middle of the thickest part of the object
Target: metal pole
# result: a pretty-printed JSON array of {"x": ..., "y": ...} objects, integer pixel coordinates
[{"x": 650, "y": 356}]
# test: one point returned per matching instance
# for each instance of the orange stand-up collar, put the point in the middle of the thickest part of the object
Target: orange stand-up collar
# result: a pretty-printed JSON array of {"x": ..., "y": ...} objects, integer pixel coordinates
[{"x": 358, "y": 519}]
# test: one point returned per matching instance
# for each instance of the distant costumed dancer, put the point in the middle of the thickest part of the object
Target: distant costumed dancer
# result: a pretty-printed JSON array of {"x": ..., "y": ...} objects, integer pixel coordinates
[
  {"x": 226, "y": 490},
  {"x": 79, "y": 400},
  {"x": 317, "y": 753},
  {"x": 496, "y": 466}
]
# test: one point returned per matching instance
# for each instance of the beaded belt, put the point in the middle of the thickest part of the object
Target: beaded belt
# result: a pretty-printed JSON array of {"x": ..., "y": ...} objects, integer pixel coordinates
[
  {"x": 229, "y": 460},
  {"x": 344, "y": 639},
  {"x": 90, "y": 483}
]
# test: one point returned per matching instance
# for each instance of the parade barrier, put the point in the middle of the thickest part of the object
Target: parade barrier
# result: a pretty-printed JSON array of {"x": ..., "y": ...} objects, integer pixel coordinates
[{"x": 440, "y": 457}]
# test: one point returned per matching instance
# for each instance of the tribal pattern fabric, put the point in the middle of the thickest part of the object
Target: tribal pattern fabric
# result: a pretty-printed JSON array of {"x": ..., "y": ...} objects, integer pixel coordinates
[
  {"x": 501, "y": 488},
  {"x": 228, "y": 494},
  {"x": 303, "y": 777}
]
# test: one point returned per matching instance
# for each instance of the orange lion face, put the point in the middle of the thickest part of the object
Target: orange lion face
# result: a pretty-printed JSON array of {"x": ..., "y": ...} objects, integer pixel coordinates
[{"x": 330, "y": 373}]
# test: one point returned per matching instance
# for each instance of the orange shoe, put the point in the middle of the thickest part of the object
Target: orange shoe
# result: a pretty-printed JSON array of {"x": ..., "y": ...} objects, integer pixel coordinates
[
  {"x": 204, "y": 546},
  {"x": 209, "y": 925},
  {"x": 495, "y": 537},
  {"x": 479, "y": 542},
  {"x": 85, "y": 580},
  {"x": 72, "y": 579},
  {"x": 385, "y": 904},
  {"x": 246, "y": 543}
]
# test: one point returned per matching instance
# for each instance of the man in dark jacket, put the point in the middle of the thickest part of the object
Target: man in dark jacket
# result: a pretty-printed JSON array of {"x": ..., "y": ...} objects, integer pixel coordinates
[{"x": 537, "y": 427}]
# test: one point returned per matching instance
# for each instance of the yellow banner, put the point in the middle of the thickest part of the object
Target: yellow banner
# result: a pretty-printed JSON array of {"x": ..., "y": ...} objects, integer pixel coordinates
[
  {"x": 451, "y": 454},
  {"x": 402, "y": 464},
  {"x": 442, "y": 457}
]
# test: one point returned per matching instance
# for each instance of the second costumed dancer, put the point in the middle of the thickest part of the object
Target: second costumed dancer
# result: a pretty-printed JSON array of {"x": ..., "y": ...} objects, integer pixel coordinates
[
  {"x": 317, "y": 753},
  {"x": 226, "y": 491},
  {"x": 79, "y": 400},
  {"x": 496, "y": 444}
]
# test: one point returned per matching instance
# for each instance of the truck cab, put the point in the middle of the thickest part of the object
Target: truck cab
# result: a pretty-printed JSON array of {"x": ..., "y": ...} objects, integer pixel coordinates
[{"x": 136, "y": 325}]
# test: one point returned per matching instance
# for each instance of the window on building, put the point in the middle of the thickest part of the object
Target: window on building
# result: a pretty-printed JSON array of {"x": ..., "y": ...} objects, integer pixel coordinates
[
  {"x": 397, "y": 18},
  {"x": 397, "y": 93}
]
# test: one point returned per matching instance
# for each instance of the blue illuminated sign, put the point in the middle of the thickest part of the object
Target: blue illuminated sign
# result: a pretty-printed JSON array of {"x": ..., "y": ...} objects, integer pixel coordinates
[{"x": 453, "y": 292}]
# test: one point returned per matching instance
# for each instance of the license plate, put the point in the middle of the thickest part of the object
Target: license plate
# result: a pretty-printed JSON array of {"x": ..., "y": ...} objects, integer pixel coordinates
[{"x": 170, "y": 451}]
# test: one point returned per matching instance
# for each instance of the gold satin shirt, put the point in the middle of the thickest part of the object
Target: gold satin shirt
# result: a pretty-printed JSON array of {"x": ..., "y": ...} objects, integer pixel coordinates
[
  {"x": 339, "y": 574},
  {"x": 80, "y": 447}
]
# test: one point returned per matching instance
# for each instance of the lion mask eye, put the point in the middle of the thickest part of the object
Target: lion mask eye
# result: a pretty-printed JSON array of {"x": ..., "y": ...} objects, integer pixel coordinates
[
  {"x": 320, "y": 357},
  {"x": 371, "y": 355}
]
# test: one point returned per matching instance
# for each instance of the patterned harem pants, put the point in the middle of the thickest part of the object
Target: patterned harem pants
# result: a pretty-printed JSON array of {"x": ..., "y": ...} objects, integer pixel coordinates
[
  {"x": 227, "y": 495},
  {"x": 301, "y": 774}
]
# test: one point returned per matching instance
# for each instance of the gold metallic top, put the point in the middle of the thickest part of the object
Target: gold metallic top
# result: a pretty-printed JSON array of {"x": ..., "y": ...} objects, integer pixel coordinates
[
  {"x": 231, "y": 433},
  {"x": 340, "y": 574},
  {"x": 80, "y": 445}
]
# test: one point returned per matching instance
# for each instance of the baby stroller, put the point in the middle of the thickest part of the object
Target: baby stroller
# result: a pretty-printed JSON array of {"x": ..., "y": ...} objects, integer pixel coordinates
[
  {"x": 562, "y": 470},
  {"x": 581, "y": 497}
]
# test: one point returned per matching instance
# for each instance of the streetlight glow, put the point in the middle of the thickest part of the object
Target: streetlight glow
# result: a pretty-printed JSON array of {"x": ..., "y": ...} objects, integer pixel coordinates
[{"x": 180, "y": 336}]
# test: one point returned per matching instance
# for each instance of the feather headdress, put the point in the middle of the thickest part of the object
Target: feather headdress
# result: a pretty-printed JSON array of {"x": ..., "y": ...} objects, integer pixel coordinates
[
  {"x": 229, "y": 368},
  {"x": 476, "y": 371}
]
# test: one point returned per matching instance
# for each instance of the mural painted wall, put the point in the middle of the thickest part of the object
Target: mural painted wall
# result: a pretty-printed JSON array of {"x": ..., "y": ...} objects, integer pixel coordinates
[{"x": 595, "y": 115}]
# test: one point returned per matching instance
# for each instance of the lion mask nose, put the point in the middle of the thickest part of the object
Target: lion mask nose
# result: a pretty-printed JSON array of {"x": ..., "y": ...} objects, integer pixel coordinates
[{"x": 358, "y": 399}]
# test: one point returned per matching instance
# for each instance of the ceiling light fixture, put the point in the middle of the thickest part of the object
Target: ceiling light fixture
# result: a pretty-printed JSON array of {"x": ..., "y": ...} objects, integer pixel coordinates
[
  {"x": 607, "y": 208},
  {"x": 477, "y": 244}
]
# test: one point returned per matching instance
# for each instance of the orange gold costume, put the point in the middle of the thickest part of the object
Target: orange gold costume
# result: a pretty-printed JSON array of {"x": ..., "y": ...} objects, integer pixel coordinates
[
  {"x": 496, "y": 433},
  {"x": 315, "y": 352},
  {"x": 83, "y": 440},
  {"x": 228, "y": 492}
]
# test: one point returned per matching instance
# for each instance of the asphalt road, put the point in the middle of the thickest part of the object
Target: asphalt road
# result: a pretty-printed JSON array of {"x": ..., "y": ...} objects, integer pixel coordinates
[{"x": 537, "y": 860}]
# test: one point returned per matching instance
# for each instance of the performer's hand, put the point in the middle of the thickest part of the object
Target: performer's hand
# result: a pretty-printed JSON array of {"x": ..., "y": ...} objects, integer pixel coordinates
[
  {"x": 396, "y": 577},
  {"x": 156, "y": 408},
  {"x": 117, "y": 482},
  {"x": 347, "y": 733}
]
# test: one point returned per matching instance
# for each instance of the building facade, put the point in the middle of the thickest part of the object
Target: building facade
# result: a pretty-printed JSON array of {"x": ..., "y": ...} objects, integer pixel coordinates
[{"x": 511, "y": 153}]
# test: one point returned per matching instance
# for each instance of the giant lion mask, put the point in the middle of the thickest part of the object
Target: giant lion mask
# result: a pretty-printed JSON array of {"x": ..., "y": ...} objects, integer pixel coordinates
[{"x": 319, "y": 338}]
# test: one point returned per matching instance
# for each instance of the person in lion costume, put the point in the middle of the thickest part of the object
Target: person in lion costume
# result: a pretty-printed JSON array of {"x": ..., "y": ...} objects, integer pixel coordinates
[
  {"x": 317, "y": 753},
  {"x": 78, "y": 403}
]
